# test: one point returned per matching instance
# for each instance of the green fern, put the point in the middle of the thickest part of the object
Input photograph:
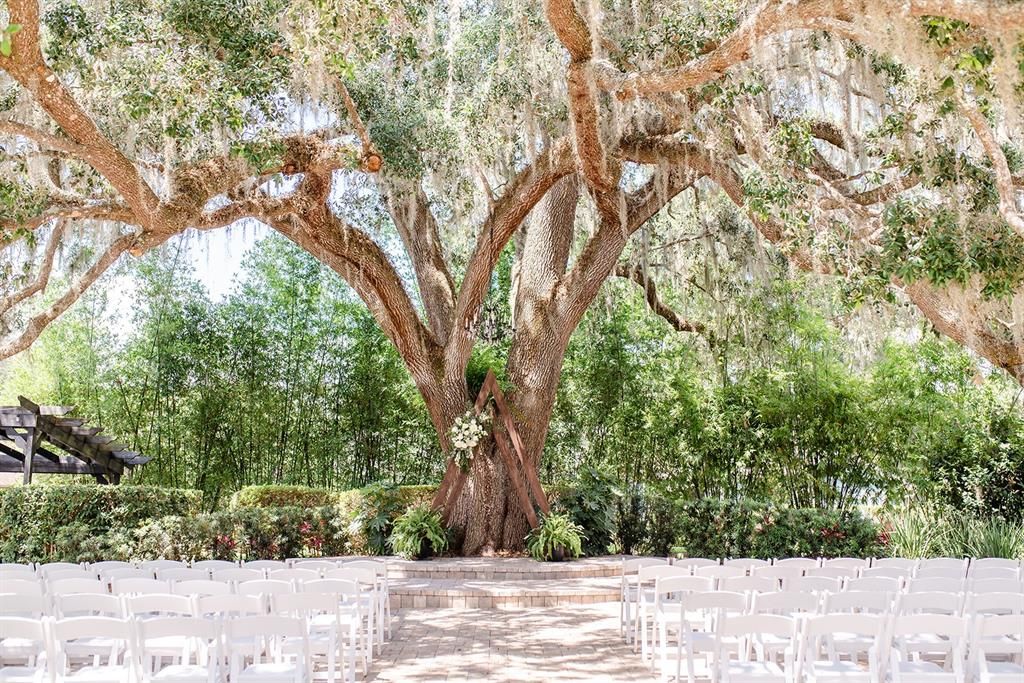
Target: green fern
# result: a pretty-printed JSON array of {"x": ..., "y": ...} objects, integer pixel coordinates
[
  {"x": 418, "y": 523},
  {"x": 553, "y": 531}
]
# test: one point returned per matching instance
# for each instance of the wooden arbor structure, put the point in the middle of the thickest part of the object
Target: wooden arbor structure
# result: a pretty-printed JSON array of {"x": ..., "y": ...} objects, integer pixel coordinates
[
  {"x": 510, "y": 446},
  {"x": 44, "y": 440}
]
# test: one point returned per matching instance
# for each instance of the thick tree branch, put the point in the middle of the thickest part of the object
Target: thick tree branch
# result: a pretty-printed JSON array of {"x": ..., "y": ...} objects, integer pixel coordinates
[
  {"x": 410, "y": 211},
  {"x": 1004, "y": 179},
  {"x": 42, "y": 277},
  {"x": 38, "y": 322},
  {"x": 71, "y": 210},
  {"x": 1003, "y": 15},
  {"x": 678, "y": 322},
  {"x": 46, "y": 141},
  {"x": 521, "y": 195}
]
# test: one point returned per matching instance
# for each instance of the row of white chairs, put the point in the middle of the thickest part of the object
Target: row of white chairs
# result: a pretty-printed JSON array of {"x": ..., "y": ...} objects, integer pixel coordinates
[
  {"x": 734, "y": 647},
  {"x": 300, "y": 642},
  {"x": 980, "y": 568},
  {"x": 176, "y": 571},
  {"x": 670, "y": 592},
  {"x": 639, "y": 575}
]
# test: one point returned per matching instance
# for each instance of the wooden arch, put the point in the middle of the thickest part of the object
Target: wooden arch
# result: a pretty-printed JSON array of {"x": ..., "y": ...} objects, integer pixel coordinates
[{"x": 510, "y": 445}]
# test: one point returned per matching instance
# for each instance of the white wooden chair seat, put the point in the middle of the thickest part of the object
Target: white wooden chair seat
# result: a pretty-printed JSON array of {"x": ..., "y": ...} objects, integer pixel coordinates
[
  {"x": 182, "y": 673},
  {"x": 23, "y": 674},
  {"x": 100, "y": 674}
]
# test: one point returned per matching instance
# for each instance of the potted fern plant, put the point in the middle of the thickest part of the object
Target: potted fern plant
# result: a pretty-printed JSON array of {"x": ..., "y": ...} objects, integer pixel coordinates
[
  {"x": 419, "y": 533},
  {"x": 555, "y": 538}
]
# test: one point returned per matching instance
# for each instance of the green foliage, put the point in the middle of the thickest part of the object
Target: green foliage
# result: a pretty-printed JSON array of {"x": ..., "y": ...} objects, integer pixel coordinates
[
  {"x": 946, "y": 532},
  {"x": 555, "y": 530},
  {"x": 415, "y": 526},
  {"x": 273, "y": 495},
  {"x": 380, "y": 506},
  {"x": 591, "y": 504},
  {"x": 743, "y": 528},
  {"x": 44, "y": 523}
]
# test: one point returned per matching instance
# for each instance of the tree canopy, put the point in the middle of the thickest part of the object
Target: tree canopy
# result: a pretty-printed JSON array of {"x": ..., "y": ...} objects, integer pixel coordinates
[{"x": 408, "y": 145}]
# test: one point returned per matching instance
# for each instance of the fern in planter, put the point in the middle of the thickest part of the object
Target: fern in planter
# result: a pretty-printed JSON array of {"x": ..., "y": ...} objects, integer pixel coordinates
[
  {"x": 418, "y": 533},
  {"x": 555, "y": 538}
]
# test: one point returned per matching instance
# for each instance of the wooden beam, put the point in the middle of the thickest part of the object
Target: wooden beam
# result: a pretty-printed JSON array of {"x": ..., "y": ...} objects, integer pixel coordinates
[
  {"x": 11, "y": 464},
  {"x": 44, "y": 410},
  {"x": 16, "y": 417},
  {"x": 517, "y": 478}
]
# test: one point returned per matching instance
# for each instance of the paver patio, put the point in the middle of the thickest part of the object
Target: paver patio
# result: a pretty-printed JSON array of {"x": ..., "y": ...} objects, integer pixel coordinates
[{"x": 566, "y": 643}]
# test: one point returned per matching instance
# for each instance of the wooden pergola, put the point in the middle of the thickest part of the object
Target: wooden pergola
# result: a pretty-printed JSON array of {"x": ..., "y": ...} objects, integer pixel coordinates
[{"x": 38, "y": 439}]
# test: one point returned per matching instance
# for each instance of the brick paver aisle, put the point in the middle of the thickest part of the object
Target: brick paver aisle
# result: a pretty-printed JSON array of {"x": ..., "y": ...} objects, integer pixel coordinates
[{"x": 566, "y": 643}]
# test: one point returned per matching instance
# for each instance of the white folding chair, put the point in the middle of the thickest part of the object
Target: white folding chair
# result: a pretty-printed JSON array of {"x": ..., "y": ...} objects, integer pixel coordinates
[
  {"x": 197, "y": 659},
  {"x": 917, "y": 640},
  {"x": 940, "y": 572},
  {"x": 899, "y": 573},
  {"x": 647, "y": 578},
  {"x": 976, "y": 573},
  {"x": 265, "y": 565},
  {"x": 936, "y": 585},
  {"x": 294, "y": 575},
  {"x": 749, "y": 584},
  {"x": 24, "y": 605},
  {"x": 820, "y": 660},
  {"x": 955, "y": 563},
  {"x": 268, "y": 654},
  {"x": 874, "y": 584},
  {"x": 857, "y": 602},
  {"x": 200, "y": 587},
  {"x": 118, "y": 573},
  {"x": 347, "y": 596},
  {"x": 854, "y": 563},
  {"x": 105, "y": 645},
  {"x": 323, "y": 623},
  {"x": 780, "y": 573},
  {"x": 383, "y": 593},
  {"x": 979, "y": 604},
  {"x": 264, "y": 587},
  {"x": 785, "y": 603},
  {"x": 65, "y": 574},
  {"x": 668, "y": 596},
  {"x": 692, "y": 563},
  {"x": 747, "y": 563},
  {"x": 88, "y": 605},
  {"x": 23, "y": 587},
  {"x": 23, "y": 650},
  {"x": 697, "y": 616},
  {"x": 139, "y": 586},
  {"x": 997, "y": 649},
  {"x": 229, "y": 606},
  {"x": 979, "y": 563},
  {"x": 906, "y": 565},
  {"x": 949, "y": 604},
  {"x": 833, "y": 572},
  {"x": 629, "y": 595},
  {"x": 214, "y": 565},
  {"x": 107, "y": 565},
  {"x": 46, "y": 568},
  {"x": 814, "y": 584},
  {"x": 159, "y": 605},
  {"x": 238, "y": 575},
  {"x": 319, "y": 566},
  {"x": 65, "y": 586},
  {"x": 996, "y": 586},
  {"x": 183, "y": 574},
  {"x": 755, "y": 662},
  {"x": 368, "y": 596},
  {"x": 802, "y": 562},
  {"x": 156, "y": 565},
  {"x": 719, "y": 572},
  {"x": 11, "y": 568}
]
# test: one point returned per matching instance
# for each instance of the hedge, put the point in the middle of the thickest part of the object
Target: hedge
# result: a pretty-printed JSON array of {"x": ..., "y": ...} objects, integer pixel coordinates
[
  {"x": 39, "y": 522},
  {"x": 276, "y": 495},
  {"x": 743, "y": 528}
]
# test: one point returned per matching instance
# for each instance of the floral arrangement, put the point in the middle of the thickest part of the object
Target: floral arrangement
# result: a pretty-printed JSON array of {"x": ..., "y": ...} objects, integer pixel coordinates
[{"x": 465, "y": 435}]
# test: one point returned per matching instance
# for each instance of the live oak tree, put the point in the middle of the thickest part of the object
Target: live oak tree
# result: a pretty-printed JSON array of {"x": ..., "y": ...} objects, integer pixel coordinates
[{"x": 409, "y": 145}]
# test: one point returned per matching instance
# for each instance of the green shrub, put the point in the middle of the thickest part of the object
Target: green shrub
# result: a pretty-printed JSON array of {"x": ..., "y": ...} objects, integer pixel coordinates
[
  {"x": 743, "y": 528},
  {"x": 416, "y": 525},
  {"x": 555, "y": 530},
  {"x": 379, "y": 507},
  {"x": 44, "y": 523},
  {"x": 928, "y": 532},
  {"x": 591, "y": 504},
  {"x": 276, "y": 496}
]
